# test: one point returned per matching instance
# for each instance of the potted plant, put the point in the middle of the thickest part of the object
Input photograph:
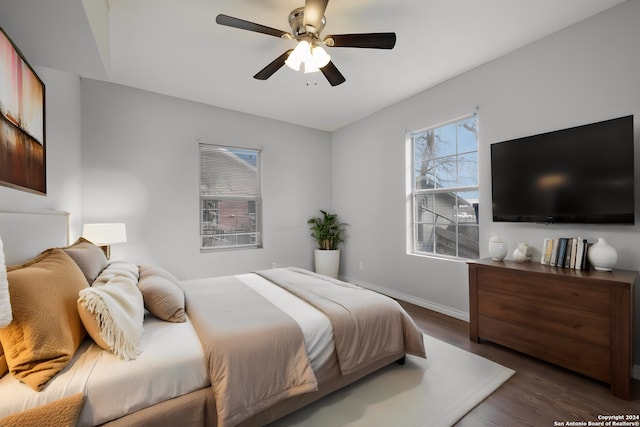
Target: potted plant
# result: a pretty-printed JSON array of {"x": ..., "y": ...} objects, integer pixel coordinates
[{"x": 328, "y": 232}]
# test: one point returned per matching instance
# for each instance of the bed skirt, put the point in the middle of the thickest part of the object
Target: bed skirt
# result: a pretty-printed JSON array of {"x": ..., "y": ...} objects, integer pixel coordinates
[{"x": 190, "y": 410}]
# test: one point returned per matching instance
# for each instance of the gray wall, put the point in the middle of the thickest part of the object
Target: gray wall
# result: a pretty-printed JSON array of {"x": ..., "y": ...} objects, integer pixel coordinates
[
  {"x": 62, "y": 142},
  {"x": 140, "y": 166},
  {"x": 586, "y": 73}
]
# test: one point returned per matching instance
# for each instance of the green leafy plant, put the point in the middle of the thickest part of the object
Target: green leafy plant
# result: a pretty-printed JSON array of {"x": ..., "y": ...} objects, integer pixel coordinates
[{"x": 327, "y": 231}]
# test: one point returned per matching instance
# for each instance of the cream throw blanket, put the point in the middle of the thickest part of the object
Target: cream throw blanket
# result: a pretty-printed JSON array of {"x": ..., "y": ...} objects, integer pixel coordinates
[
  {"x": 5, "y": 304},
  {"x": 117, "y": 303}
]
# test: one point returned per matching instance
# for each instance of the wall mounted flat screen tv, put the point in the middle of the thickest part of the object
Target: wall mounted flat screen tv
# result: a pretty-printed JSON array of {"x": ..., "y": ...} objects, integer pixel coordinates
[{"x": 583, "y": 174}]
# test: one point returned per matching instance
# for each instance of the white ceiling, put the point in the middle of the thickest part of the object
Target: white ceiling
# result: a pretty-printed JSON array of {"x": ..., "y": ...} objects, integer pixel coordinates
[{"x": 174, "y": 47}]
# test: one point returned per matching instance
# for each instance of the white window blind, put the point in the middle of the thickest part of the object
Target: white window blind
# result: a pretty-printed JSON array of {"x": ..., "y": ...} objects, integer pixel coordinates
[{"x": 229, "y": 197}]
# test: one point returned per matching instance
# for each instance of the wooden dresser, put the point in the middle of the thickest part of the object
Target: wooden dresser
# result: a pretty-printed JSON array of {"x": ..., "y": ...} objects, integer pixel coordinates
[{"x": 580, "y": 320}]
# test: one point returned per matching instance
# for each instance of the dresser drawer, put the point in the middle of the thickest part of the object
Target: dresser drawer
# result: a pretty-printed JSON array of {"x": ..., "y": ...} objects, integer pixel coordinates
[
  {"x": 547, "y": 317},
  {"x": 579, "y": 356},
  {"x": 572, "y": 292}
]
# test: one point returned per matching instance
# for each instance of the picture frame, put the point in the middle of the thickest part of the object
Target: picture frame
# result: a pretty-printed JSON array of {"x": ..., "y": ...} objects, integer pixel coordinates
[{"x": 22, "y": 122}]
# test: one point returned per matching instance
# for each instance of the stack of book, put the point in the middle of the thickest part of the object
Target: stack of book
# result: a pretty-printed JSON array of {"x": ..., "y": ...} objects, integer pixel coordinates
[{"x": 565, "y": 252}]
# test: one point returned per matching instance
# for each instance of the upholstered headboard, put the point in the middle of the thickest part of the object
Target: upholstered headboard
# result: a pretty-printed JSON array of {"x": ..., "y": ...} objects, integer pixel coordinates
[{"x": 27, "y": 232}]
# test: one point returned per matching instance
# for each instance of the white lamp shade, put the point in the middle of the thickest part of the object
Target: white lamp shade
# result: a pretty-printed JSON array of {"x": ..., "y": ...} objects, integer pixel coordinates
[
  {"x": 310, "y": 68},
  {"x": 105, "y": 234},
  {"x": 320, "y": 57},
  {"x": 300, "y": 54}
]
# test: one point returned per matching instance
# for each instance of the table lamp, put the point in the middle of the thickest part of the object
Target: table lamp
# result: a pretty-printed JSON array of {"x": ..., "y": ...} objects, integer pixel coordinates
[{"x": 105, "y": 235}]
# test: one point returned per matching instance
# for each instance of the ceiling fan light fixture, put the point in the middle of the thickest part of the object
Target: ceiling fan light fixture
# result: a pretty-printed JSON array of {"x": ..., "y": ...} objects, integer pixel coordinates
[
  {"x": 301, "y": 54},
  {"x": 313, "y": 57}
]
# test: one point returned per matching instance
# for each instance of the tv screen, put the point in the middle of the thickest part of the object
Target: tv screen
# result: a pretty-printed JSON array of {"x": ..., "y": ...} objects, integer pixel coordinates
[{"x": 583, "y": 174}]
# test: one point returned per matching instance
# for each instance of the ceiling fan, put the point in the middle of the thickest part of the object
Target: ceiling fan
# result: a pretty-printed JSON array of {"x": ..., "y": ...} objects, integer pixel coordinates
[{"x": 306, "y": 25}]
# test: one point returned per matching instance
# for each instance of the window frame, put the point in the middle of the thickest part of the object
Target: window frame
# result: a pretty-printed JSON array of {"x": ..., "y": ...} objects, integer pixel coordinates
[
  {"x": 254, "y": 212},
  {"x": 413, "y": 193}
]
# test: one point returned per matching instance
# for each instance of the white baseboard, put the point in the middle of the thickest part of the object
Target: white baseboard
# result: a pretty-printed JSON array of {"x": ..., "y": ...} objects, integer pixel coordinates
[{"x": 439, "y": 308}]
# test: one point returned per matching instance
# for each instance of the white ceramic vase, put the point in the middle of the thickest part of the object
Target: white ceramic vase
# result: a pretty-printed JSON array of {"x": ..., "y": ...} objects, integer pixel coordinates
[
  {"x": 602, "y": 255},
  {"x": 497, "y": 249}
]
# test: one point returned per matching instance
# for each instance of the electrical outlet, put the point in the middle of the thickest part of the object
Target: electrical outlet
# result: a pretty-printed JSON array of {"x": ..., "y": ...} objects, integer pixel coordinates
[
  {"x": 361, "y": 265},
  {"x": 274, "y": 265}
]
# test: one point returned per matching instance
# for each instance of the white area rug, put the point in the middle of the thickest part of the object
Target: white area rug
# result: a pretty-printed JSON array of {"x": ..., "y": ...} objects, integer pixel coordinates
[{"x": 433, "y": 392}]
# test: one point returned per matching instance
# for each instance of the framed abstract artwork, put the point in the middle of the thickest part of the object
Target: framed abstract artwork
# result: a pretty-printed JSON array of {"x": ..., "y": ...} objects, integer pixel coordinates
[{"x": 22, "y": 122}]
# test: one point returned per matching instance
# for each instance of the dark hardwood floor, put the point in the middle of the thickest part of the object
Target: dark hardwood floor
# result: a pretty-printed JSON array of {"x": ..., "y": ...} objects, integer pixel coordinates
[{"x": 539, "y": 394}]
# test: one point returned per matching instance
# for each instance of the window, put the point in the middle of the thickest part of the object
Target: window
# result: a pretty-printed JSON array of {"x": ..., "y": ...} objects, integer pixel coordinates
[
  {"x": 444, "y": 189},
  {"x": 229, "y": 197}
]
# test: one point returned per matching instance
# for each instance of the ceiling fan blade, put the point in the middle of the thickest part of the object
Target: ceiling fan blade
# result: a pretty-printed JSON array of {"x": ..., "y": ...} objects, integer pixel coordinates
[
  {"x": 365, "y": 40},
  {"x": 332, "y": 74},
  {"x": 314, "y": 12},
  {"x": 274, "y": 66},
  {"x": 230, "y": 21}
]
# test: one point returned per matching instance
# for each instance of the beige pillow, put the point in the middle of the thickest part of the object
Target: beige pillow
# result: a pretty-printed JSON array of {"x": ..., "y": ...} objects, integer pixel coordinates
[
  {"x": 162, "y": 295},
  {"x": 154, "y": 270},
  {"x": 46, "y": 329},
  {"x": 90, "y": 322},
  {"x": 60, "y": 413},
  {"x": 89, "y": 257}
]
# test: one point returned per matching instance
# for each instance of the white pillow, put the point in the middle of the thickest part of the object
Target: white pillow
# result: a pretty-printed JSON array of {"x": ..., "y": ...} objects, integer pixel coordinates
[{"x": 5, "y": 304}]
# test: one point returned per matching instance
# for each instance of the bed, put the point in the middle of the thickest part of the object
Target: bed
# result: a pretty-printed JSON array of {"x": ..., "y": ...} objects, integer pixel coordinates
[{"x": 239, "y": 350}]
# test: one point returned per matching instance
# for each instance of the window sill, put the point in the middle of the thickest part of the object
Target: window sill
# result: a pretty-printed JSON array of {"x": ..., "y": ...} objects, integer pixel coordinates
[{"x": 440, "y": 257}]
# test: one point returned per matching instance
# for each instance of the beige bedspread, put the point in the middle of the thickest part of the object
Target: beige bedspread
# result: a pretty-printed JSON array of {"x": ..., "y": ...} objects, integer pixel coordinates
[
  {"x": 256, "y": 353},
  {"x": 367, "y": 326}
]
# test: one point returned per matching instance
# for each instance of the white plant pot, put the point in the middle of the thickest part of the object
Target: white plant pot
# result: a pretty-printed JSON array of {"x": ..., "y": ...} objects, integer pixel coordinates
[{"x": 328, "y": 262}]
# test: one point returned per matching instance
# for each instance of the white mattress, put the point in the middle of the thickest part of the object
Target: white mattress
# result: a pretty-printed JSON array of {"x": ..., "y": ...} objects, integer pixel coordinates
[{"x": 171, "y": 364}]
